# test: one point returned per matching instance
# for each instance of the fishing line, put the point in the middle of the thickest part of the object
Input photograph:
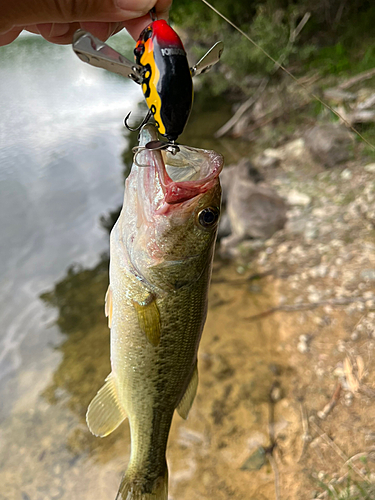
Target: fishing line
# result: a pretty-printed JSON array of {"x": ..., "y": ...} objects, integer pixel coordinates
[{"x": 327, "y": 106}]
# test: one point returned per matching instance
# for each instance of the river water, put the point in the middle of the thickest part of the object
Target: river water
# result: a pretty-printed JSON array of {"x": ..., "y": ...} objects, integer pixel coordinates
[{"x": 60, "y": 168}]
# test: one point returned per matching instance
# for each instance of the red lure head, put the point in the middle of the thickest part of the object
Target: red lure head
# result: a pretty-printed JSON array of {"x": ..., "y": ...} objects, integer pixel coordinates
[
  {"x": 167, "y": 84},
  {"x": 165, "y": 35},
  {"x": 161, "y": 34}
]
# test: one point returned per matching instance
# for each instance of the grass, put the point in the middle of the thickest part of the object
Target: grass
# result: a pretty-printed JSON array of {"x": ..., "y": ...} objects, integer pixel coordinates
[{"x": 351, "y": 490}]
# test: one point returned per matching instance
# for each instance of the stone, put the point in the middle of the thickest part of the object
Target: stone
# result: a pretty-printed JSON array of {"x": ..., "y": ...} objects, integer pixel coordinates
[
  {"x": 368, "y": 274},
  {"x": 254, "y": 209},
  {"x": 295, "y": 149},
  {"x": 370, "y": 168},
  {"x": 298, "y": 198},
  {"x": 296, "y": 226},
  {"x": 302, "y": 347},
  {"x": 328, "y": 144},
  {"x": 267, "y": 159},
  {"x": 311, "y": 233},
  {"x": 346, "y": 174}
]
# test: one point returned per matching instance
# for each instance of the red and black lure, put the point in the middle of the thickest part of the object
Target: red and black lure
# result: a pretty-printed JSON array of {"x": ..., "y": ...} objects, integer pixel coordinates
[
  {"x": 167, "y": 83},
  {"x": 160, "y": 67}
]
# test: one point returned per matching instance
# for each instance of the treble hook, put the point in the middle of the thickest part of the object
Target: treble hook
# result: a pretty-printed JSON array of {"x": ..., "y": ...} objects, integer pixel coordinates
[
  {"x": 154, "y": 146},
  {"x": 143, "y": 122},
  {"x": 171, "y": 147}
]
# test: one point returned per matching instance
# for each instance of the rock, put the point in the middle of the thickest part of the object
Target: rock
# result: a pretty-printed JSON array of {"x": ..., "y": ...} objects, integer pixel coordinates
[
  {"x": 296, "y": 226},
  {"x": 295, "y": 149},
  {"x": 267, "y": 159},
  {"x": 368, "y": 274},
  {"x": 302, "y": 347},
  {"x": 311, "y": 233},
  {"x": 328, "y": 144},
  {"x": 254, "y": 209},
  {"x": 297, "y": 198},
  {"x": 244, "y": 170},
  {"x": 313, "y": 297},
  {"x": 346, "y": 174},
  {"x": 370, "y": 168}
]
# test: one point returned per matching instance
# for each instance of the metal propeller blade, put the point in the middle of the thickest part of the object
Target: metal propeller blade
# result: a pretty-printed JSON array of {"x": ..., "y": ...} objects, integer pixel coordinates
[
  {"x": 208, "y": 60},
  {"x": 93, "y": 51}
]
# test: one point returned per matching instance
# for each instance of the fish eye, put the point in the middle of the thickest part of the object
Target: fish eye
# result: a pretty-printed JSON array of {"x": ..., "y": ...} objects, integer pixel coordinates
[{"x": 208, "y": 217}]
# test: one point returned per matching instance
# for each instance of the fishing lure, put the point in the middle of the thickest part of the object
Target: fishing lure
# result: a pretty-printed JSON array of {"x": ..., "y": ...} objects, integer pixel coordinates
[{"x": 162, "y": 70}]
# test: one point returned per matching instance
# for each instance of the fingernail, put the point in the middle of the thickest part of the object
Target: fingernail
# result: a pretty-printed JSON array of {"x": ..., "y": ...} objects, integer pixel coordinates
[
  {"x": 52, "y": 30},
  {"x": 59, "y": 29}
]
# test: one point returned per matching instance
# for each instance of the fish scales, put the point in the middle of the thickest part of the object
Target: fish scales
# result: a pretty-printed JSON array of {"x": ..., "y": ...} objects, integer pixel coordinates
[{"x": 161, "y": 253}]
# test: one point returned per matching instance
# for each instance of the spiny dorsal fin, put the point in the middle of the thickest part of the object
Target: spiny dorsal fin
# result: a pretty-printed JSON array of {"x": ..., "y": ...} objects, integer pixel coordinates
[
  {"x": 187, "y": 400},
  {"x": 108, "y": 307},
  {"x": 149, "y": 319},
  {"x": 105, "y": 412}
]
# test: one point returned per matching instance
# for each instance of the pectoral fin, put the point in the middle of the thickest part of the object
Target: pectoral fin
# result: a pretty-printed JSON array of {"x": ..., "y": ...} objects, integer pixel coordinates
[
  {"x": 108, "y": 306},
  {"x": 149, "y": 319},
  {"x": 105, "y": 412},
  {"x": 187, "y": 400}
]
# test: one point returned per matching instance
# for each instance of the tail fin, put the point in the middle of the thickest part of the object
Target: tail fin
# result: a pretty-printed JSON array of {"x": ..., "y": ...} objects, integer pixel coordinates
[{"x": 135, "y": 489}]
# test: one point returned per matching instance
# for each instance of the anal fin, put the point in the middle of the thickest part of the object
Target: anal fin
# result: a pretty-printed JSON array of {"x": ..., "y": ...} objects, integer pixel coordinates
[
  {"x": 187, "y": 400},
  {"x": 105, "y": 412},
  {"x": 149, "y": 319}
]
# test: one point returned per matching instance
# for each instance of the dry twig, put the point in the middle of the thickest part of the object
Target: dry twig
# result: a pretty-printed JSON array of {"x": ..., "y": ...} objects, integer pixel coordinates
[
  {"x": 366, "y": 75},
  {"x": 306, "y": 436},
  {"x": 275, "y": 469},
  {"x": 333, "y": 402}
]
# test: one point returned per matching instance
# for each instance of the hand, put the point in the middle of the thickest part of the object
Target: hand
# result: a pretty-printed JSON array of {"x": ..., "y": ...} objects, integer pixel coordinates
[{"x": 57, "y": 20}]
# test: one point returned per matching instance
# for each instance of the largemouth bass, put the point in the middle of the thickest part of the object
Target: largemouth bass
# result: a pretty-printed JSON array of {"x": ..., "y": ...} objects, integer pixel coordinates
[{"x": 161, "y": 254}]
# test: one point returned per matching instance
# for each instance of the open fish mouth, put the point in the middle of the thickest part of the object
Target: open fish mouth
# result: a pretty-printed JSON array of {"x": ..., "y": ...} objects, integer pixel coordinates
[{"x": 183, "y": 175}]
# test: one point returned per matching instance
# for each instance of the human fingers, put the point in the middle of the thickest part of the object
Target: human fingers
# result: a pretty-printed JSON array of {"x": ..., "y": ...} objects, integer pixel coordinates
[
  {"x": 25, "y": 12},
  {"x": 62, "y": 33},
  {"x": 58, "y": 20},
  {"x": 9, "y": 36}
]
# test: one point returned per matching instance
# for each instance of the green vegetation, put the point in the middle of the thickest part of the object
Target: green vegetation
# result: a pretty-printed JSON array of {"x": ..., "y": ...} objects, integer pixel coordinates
[
  {"x": 350, "y": 490},
  {"x": 338, "y": 38}
]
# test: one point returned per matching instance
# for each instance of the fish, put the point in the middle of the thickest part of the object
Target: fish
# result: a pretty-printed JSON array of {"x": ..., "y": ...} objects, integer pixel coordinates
[{"x": 161, "y": 252}]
